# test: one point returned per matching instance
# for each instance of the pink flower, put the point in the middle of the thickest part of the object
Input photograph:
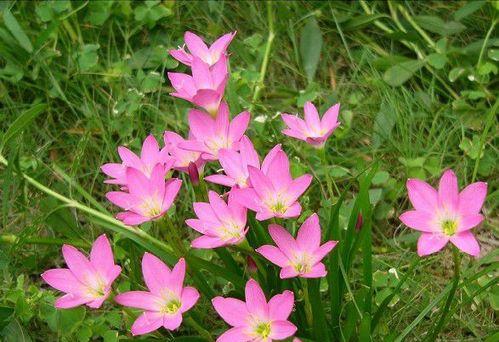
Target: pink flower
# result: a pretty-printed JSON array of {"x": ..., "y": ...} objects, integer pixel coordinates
[
  {"x": 84, "y": 281},
  {"x": 312, "y": 130},
  {"x": 235, "y": 164},
  {"x": 274, "y": 192},
  {"x": 182, "y": 158},
  {"x": 255, "y": 319},
  {"x": 210, "y": 135},
  {"x": 199, "y": 49},
  {"x": 301, "y": 257},
  {"x": 147, "y": 198},
  {"x": 150, "y": 155},
  {"x": 222, "y": 224},
  {"x": 445, "y": 215},
  {"x": 166, "y": 300},
  {"x": 205, "y": 87}
]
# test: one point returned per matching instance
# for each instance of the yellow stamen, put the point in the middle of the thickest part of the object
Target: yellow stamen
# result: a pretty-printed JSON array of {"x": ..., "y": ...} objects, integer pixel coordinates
[{"x": 449, "y": 227}]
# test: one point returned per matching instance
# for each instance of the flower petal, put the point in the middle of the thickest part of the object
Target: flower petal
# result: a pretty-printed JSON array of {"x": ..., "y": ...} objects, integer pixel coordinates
[
  {"x": 281, "y": 305},
  {"x": 274, "y": 255},
  {"x": 188, "y": 298},
  {"x": 71, "y": 300},
  {"x": 172, "y": 322},
  {"x": 429, "y": 243},
  {"x": 140, "y": 300},
  {"x": 471, "y": 198},
  {"x": 235, "y": 334},
  {"x": 419, "y": 220},
  {"x": 312, "y": 118},
  {"x": 317, "y": 271},
  {"x": 63, "y": 280},
  {"x": 232, "y": 310},
  {"x": 147, "y": 322},
  {"x": 282, "y": 329},
  {"x": 466, "y": 242},
  {"x": 288, "y": 272},
  {"x": 256, "y": 303},
  {"x": 309, "y": 234},
  {"x": 195, "y": 44},
  {"x": 469, "y": 221},
  {"x": 283, "y": 239},
  {"x": 78, "y": 264},
  {"x": 422, "y": 196},
  {"x": 101, "y": 255},
  {"x": 448, "y": 191},
  {"x": 155, "y": 272}
]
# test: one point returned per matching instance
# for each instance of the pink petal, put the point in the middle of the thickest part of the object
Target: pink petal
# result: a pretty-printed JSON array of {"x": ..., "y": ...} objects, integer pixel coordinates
[
  {"x": 172, "y": 322},
  {"x": 207, "y": 242},
  {"x": 78, "y": 263},
  {"x": 419, "y": 220},
  {"x": 150, "y": 149},
  {"x": 205, "y": 212},
  {"x": 235, "y": 334},
  {"x": 448, "y": 191},
  {"x": 221, "y": 179},
  {"x": 219, "y": 206},
  {"x": 101, "y": 255},
  {"x": 155, "y": 272},
  {"x": 472, "y": 197},
  {"x": 147, "y": 322},
  {"x": 298, "y": 187},
  {"x": 189, "y": 298},
  {"x": 309, "y": 234},
  {"x": 294, "y": 123},
  {"x": 466, "y": 242},
  {"x": 281, "y": 305},
  {"x": 469, "y": 221},
  {"x": 274, "y": 255},
  {"x": 140, "y": 300},
  {"x": 139, "y": 185},
  {"x": 324, "y": 250},
  {"x": 70, "y": 300},
  {"x": 317, "y": 271},
  {"x": 284, "y": 240},
  {"x": 278, "y": 172},
  {"x": 256, "y": 303},
  {"x": 288, "y": 272},
  {"x": 176, "y": 278},
  {"x": 132, "y": 219},
  {"x": 122, "y": 199},
  {"x": 238, "y": 126},
  {"x": 208, "y": 99},
  {"x": 232, "y": 310},
  {"x": 282, "y": 329},
  {"x": 429, "y": 243},
  {"x": 129, "y": 158},
  {"x": 195, "y": 44},
  {"x": 293, "y": 211},
  {"x": 171, "y": 191},
  {"x": 181, "y": 56},
  {"x": 196, "y": 224},
  {"x": 312, "y": 118},
  {"x": 97, "y": 303},
  {"x": 261, "y": 183},
  {"x": 269, "y": 157},
  {"x": 220, "y": 74},
  {"x": 247, "y": 197},
  {"x": 248, "y": 152},
  {"x": 265, "y": 214},
  {"x": 220, "y": 46},
  {"x": 183, "y": 84},
  {"x": 294, "y": 134},
  {"x": 62, "y": 279},
  {"x": 330, "y": 118},
  {"x": 201, "y": 74},
  {"x": 422, "y": 196}
]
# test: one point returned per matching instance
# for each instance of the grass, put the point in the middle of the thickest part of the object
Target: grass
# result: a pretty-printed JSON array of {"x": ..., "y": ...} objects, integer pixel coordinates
[{"x": 417, "y": 86}]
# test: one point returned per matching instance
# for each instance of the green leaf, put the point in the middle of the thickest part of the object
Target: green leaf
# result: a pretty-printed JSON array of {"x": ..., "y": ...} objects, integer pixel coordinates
[
  {"x": 5, "y": 315},
  {"x": 437, "y": 60},
  {"x": 438, "y": 26},
  {"x": 88, "y": 57},
  {"x": 310, "y": 47},
  {"x": 22, "y": 122},
  {"x": 383, "y": 124},
  {"x": 471, "y": 147},
  {"x": 70, "y": 319},
  {"x": 98, "y": 12},
  {"x": 16, "y": 30},
  {"x": 494, "y": 54},
  {"x": 468, "y": 9},
  {"x": 455, "y": 73},
  {"x": 400, "y": 73},
  {"x": 361, "y": 21},
  {"x": 15, "y": 332}
]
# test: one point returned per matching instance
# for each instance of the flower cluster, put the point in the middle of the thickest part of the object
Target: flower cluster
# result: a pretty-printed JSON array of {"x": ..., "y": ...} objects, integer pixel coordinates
[{"x": 265, "y": 187}]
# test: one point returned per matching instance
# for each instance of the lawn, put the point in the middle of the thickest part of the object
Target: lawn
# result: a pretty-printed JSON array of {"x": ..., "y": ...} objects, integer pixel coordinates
[{"x": 417, "y": 86}]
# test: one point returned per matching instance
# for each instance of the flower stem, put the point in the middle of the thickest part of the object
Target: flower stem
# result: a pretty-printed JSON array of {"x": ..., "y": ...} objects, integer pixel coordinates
[
  {"x": 12, "y": 239},
  {"x": 445, "y": 311},
  {"x": 306, "y": 298}
]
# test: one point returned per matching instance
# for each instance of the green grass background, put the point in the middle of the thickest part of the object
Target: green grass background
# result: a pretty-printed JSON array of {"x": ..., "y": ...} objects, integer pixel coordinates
[{"x": 417, "y": 83}]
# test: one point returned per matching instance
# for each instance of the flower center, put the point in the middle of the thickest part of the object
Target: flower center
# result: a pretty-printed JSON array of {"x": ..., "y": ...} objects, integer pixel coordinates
[
  {"x": 171, "y": 307},
  {"x": 151, "y": 207},
  {"x": 279, "y": 207},
  {"x": 302, "y": 264},
  {"x": 217, "y": 143},
  {"x": 263, "y": 330},
  {"x": 229, "y": 231},
  {"x": 449, "y": 227}
]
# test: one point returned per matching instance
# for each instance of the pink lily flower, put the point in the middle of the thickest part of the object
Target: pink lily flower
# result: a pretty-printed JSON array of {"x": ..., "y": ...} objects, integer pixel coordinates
[
  {"x": 147, "y": 198},
  {"x": 445, "y": 215},
  {"x": 166, "y": 300},
  {"x": 255, "y": 319},
  {"x": 85, "y": 281},
  {"x": 301, "y": 257},
  {"x": 205, "y": 88},
  {"x": 235, "y": 164},
  {"x": 211, "y": 135},
  {"x": 198, "y": 48},
  {"x": 274, "y": 192},
  {"x": 183, "y": 158},
  {"x": 150, "y": 155},
  {"x": 222, "y": 224},
  {"x": 313, "y": 130}
]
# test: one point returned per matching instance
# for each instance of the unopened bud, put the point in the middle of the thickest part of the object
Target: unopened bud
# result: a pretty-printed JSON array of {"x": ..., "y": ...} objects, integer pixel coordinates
[
  {"x": 193, "y": 173},
  {"x": 252, "y": 268},
  {"x": 360, "y": 221}
]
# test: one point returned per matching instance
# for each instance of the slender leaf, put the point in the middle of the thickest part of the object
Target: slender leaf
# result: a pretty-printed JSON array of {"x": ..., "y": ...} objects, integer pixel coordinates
[
  {"x": 16, "y": 30},
  {"x": 310, "y": 47}
]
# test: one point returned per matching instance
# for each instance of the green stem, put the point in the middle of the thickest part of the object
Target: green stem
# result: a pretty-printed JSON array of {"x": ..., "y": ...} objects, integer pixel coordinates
[
  {"x": 490, "y": 119},
  {"x": 266, "y": 56},
  {"x": 306, "y": 298},
  {"x": 201, "y": 331},
  {"x": 489, "y": 32},
  {"x": 13, "y": 239},
  {"x": 411, "y": 21},
  {"x": 445, "y": 311}
]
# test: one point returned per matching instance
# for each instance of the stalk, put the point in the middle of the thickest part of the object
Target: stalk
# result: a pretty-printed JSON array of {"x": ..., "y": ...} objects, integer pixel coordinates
[
  {"x": 445, "y": 311},
  {"x": 306, "y": 298},
  {"x": 12, "y": 239}
]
